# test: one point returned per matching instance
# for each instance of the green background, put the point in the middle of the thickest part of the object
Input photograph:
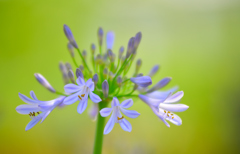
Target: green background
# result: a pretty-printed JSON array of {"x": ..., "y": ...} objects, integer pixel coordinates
[{"x": 196, "y": 43}]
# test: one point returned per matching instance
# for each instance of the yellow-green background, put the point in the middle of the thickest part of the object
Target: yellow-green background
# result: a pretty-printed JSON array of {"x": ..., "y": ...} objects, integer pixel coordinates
[{"x": 196, "y": 42}]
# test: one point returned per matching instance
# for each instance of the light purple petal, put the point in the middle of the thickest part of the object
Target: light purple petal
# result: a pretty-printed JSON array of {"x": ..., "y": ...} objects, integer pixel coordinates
[
  {"x": 160, "y": 84},
  {"x": 71, "y": 99},
  {"x": 26, "y": 99},
  {"x": 175, "y": 97},
  {"x": 44, "y": 115},
  {"x": 142, "y": 81},
  {"x": 82, "y": 106},
  {"x": 44, "y": 82},
  {"x": 46, "y": 105},
  {"x": 130, "y": 113},
  {"x": 126, "y": 125},
  {"x": 33, "y": 122},
  {"x": 72, "y": 88},
  {"x": 93, "y": 112},
  {"x": 127, "y": 103},
  {"x": 80, "y": 81},
  {"x": 160, "y": 115},
  {"x": 110, "y": 40},
  {"x": 176, "y": 120},
  {"x": 90, "y": 84},
  {"x": 95, "y": 98},
  {"x": 161, "y": 94},
  {"x": 32, "y": 94},
  {"x": 153, "y": 70},
  {"x": 115, "y": 102},
  {"x": 150, "y": 101},
  {"x": 173, "y": 107},
  {"x": 26, "y": 109},
  {"x": 105, "y": 112},
  {"x": 110, "y": 124}
]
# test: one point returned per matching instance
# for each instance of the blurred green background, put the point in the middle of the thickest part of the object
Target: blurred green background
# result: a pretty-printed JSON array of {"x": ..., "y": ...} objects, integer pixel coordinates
[{"x": 196, "y": 43}]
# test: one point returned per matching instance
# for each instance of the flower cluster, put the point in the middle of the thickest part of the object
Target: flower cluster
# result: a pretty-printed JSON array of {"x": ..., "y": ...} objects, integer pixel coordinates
[{"x": 106, "y": 84}]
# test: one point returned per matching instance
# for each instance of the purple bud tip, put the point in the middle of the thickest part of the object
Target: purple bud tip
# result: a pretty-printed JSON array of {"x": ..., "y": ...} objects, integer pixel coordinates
[
  {"x": 130, "y": 47},
  {"x": 143, "y": 81},
  {"x": 95, "y": 78},
  {"x": 154, "y": 70},
  {"x": 100, "y": 36},
  {"x": 110, "y": 40},
  {"x": 105, "y": 88},
  {"x": 79, "y": 73},
  {"x": 69, "y": 35},
  {"x": 44, "y": 82},
  {"x": 93, "y": 48}
]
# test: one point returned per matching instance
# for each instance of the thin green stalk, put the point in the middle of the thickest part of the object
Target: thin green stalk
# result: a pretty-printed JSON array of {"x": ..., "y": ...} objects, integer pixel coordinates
[
  {"x": 93, "y": 63},
  {"x": 84, "y": 62},
  {"x": 59, "y": 93},
  {"x": 99, "y": 130},
  {"x": 74, "y": 61}
]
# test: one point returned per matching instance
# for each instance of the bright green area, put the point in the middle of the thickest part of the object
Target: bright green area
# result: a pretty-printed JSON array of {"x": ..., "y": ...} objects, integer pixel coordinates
[{"x": 196, "y": 43}]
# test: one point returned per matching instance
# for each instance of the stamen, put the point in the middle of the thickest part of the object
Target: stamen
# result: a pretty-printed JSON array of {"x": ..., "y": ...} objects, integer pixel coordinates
[
  {"x": 168, "y": 112},
  {"x": 33, "y": 114},
  {"x": 164, "y": 111},
  {"x": 82, "y": 95},
  {"x": 79, "y": 97},
  {"x": 167, "y": 115},
  {"x": 172, "y": 117},
  {"x": 120, "y": 118},
  {"x": 171, "y": 114},
  {"x": 38, "y": 113}
]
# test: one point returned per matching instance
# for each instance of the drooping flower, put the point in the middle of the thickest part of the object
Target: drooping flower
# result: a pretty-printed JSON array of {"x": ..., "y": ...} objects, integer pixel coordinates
[
  {"x": 80, "y": 93},
  {"x": 36, "y": 109},
  {"x": 164, "y": 107},
  {"x": 142, "y": 81},
  {"x": 117, "y": 117}
]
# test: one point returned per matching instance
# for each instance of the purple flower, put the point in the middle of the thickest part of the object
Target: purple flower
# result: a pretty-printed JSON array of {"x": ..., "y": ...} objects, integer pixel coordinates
[
  {"x": 44, "y": 82},
  {"x": 164, "y": 107},
  {"x": 80, "y": 93},
  {"x": 117, "y": 117},
  {"x": 69, "y": 35},
  {"x": 110, "y": 40},
  {"x": 36, "y": 109},
  {"x": 142, "y": 81},
  {"x": 153, "y": 71}
]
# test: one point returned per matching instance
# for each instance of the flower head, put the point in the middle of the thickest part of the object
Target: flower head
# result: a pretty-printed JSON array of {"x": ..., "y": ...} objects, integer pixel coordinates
[
  {"x": 142, "y": 81},
  {"x": 36, "y": 109},
  {"x": 117, "y": 117},
  {"x": 80, "y": 93}
]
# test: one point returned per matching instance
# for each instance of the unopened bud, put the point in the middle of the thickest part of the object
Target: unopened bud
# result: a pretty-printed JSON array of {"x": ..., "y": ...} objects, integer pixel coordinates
[
  {"x": 105, "y": 88},
  {"x": 100, "y": 36},
  {"x": 110, "y": 55},
  {"x": 139, "y": 63},
  {"x": 137, "y": 40},
  {"x": 95, "y": 78},
  {"x": 105, "y": 72},
  {"x": 99, "y": 59},
  {"x": 68, "y": 66},
  {"x": 110, "y": 40},
  {"x": 143, "y": 81},
  {"x": 69, "y": 35},
  {"x": 93, "y": 48},
  {"x": 84, "y": 54},
  {"x": 71, "y": 76},
  {"x": 70, "y": 49},
  {"x": 119, "y": 81},
  {"x": 111, "y": 75},
  {"x": 130, "y": 47},
  {"x": 81, "y": 67},
  {"x": 160, "y": 84},
  {"x": 153, "y": 71},
  {"x": 120, "y": 52},
  {"x": 44, "y": 82},
  {"x": 123, "y": 59},
  {"x": 64, "y": 71},
  {"x": 79, "y": 73}
]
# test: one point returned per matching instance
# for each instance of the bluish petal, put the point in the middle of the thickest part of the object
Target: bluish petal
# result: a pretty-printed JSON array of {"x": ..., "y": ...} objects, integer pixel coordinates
[
  {"x": 142, "y": 81},
  {"x": 26, "y": 109},
  {"x": 176, "y": 120},
  {"x": 72, "y": 88},
  {"x": 130, "y": 113},
  {"x": 160, "y": 115},
  {"x": 150, "y": 101},
  {"x": 110, "y": 40},
  {"x": 109, "y": 126},
  {"x": 32, "y": 94},
  {"x": 46, "y": 105},
  {"x": 71, "y": 99},
  {"x": 90, "y": 84},
  {"x": 105, "y": 112},
  {"x": 153, "y": 71},
  {"x": 161, "y": 94},
  {"x": 93, "y": 112},
  {"x": 127, "y": 103},
  {"x": 173, "y": 107},
  {"x": 33, "y": 122},
  {"x": 82, "y": 106},
  {"x": 44, "y": 115},
  {"x": 175, "y": 97},
  {"x": 160, "y": 84},
  {"x": 80, "y": 81},
  {"x": 44, "y": 82},
  {"x": 115, "y": 102},
  {"x": 26, "y": 99},
  {"x": 95, "y": 98},
  {"x": 126, "y": 125}
]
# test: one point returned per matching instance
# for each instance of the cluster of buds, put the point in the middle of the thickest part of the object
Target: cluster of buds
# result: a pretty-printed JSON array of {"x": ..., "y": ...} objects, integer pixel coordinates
[{"x": 108, "y": 80}]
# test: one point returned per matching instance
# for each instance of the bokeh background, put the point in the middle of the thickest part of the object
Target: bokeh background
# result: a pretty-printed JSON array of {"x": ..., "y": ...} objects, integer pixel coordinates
[{"x": 196, "y": 43}]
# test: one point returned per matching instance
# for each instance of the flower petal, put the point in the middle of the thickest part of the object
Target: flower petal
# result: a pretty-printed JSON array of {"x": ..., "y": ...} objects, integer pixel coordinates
[
  {"x": 142, "y": 81},
  {"x": 80, "y": 81},
  {"x": 161, "y": 94},
  {"x": 105, "y": 112},
  {"x": 72, "y": 88},
  {"x": 109, "y": 126},
  {"x": 95, "y": 98},
  {"x": 26, "y": 99},
  {"x": 44, "y": 115},
  {"x": 175, "y": 97},
  {"x": 127, "y": 103},
  {"x": 33, "y": 122},
  {"x": 160, "y": 84},
  {"x": 93, "y": 112},
  {"x": 115, "y": 102},
  {"x": 160, "y": 115},
  {"x": 26, "y": 109},
  {"x": 82, "y": 105},
  {"x": 126, "y": 125},
  {"x": 33, "y": 95},
  {"x": 176, "y": 120},
  {"x": 90, "y": 84},
  {"x": 110, "y": 40},
  {"x": 150, "y": 101},
  {"x": 130, "y": 113},
  {"x": 173, "y": 107},
  {"x": 71, "y": 99}
]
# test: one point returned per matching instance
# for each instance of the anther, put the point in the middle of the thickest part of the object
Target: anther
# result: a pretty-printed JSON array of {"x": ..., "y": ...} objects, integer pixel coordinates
[
  {"x": 168, "y": 112},
  {"x": 172, "y": 117},
  {"x": 164, "y": 111},
  {"x": 79, "y": 97},
  {"x": 82, "y": 95},
  {"x": 38, "y": 113},
  {"x": 120, "y": 118}
]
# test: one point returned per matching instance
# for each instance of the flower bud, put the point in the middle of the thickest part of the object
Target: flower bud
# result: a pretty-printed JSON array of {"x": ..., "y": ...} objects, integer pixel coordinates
[
  {"x": 119, "y": 81},
  {"x": 110, "y": 40},
  {"x": 79, "y": 73},
  {"x": 143, "y": 81},
  {"x": 105, "y": 72},
  {"x": 93, "y": 48},
  {"x": 105, "y": 88},
  {"x": 139, "y": 63},
  {"x": 110, "y": 55},
  {"x": 84, "y": 54},
  {"x": 160, "y": 84},
  {"x": 81, "y": 67},
  {"x": 130, "y": 47},
  {"x": 68, "y": 66},
  {"x": 70, "y": 49},
  {"x": 99, "y": 59},
  {"x": 139, "y": 75},
  {"x": 153, "y": 70},
  {"x": 69, "y": 35},
  {"x": 71, "y": 76},
  {"x": 64, "y": 71},
  {"x": 123, "y": 59},
  {"x": 100, "y": 36},
  {"x": 120, "y": 52},
  {"x": 95, "y": 78},
  {"x": 137, "y": 40},
  {"x": 111, "y": 75},
  {"x": 44, "y": 82}
]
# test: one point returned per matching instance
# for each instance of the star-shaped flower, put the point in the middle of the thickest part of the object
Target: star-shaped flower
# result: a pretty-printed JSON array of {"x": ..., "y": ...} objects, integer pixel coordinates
[
  {"x": 36, "y": 109},
  {"x": 80, "y": 93},
  {"x": 117, "y": 117}
]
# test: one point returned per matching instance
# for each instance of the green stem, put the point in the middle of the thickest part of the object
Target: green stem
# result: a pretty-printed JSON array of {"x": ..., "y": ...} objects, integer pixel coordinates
[
  {"x": 99, "y": 130},
  {"x": 84, "y": 62},
  {"x": 74, "y": 61},
  {"x": 59, "y": 93}
]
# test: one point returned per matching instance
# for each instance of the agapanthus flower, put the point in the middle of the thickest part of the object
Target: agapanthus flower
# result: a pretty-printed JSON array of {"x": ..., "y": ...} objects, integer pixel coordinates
[
  {"x": 80, "y": 93},
  {"x": 117, "y": 117},
  {"x": 142, "y": 81},
  {"x": 164, "y": 107},
  {"x": 36, "y": 109}
]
